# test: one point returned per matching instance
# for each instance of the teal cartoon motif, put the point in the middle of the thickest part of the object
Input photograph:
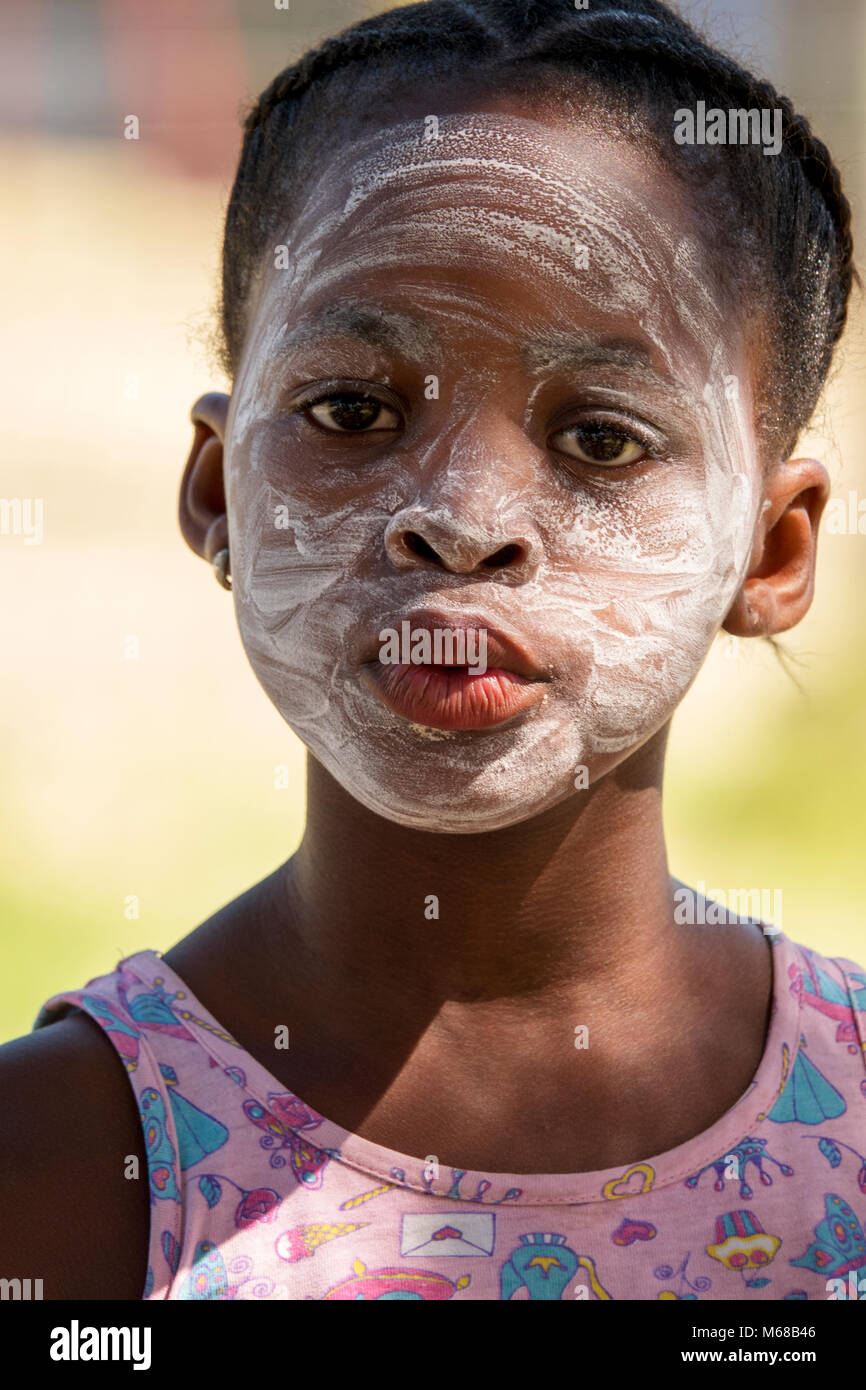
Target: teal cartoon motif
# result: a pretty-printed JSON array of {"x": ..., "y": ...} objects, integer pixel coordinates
[
  {"x": 151, "y": 1008},
  {"x": 832, "y": 1151},
  {"x": 839, "y": 1245},
  {"x": 151, "y": 1011},
  {"x": 208, "y": 1278},
  {"x": 160, "y": 1153},
  {"x": 160, "y": 1010},
  {"x": 813, "y": 986},
  {"x": 544, "y": 1264},
  {"x": 198, "y": 1134},
  {"x": 741, "y": 1155},
  {"x": 124, "y": 1037},
  {"x": 807, "y": 1095}
]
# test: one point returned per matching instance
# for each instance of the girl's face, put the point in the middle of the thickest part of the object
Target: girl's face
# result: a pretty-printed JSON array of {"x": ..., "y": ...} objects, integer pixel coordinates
[{"x": 559, "y": 448}]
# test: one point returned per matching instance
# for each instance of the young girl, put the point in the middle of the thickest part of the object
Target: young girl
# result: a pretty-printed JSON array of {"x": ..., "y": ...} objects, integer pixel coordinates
[{"x": 519, "y": 356}]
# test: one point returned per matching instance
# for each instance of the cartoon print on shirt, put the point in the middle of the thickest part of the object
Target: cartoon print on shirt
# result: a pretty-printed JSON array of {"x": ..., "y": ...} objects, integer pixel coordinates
[
  {"x": 832, "y": 1151},
  {"x": 457, "y": 1175},
  {"x": 158, "y": 1146},
  {"x": 148, "y": 1010},
  {"x": 171, "y": 1251},
  {"x": 303, "y": 1241},
  {"x": 700, "y": 1285},
  {"x": 625, "y": 1186},
  {"x": 367, "y": 1196},
  {"x": 839, "y": 1245},
  {"x": 308, "y": 1162},
  {"x": 544, "y": 1264},
  {"x": 152, "y": 1008},
  {"x": 388, "y": 1284},
  {"x": 258, "y": 1204},
  {"x": 815, "y": 988},
  {"x": 211, "y": 1280},
  {"x": 734, "y": 1164},
  {"x": 743, "y": 1245},
  {"x": 198, "y": 1134},
  {"x": 448, "y": 1235},
  {"x": 807, "y": 1095},
  {"x": 208, "y": 1278},
  {"x": 124, "y": 1037},
  {"x": 629, "y": 1230}
]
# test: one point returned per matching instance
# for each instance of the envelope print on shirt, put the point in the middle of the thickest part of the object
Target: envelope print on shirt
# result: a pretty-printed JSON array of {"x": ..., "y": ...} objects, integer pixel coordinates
[{"x": 448, "y": 1233}]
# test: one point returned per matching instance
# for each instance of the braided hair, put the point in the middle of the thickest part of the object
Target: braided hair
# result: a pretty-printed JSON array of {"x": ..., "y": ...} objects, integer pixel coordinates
[{"x": 780, "y": 227}]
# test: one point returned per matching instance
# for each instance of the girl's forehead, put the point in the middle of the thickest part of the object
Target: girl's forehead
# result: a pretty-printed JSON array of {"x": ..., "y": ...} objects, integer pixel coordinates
[
  {"x": 574, "y": 222},
  {"x": 560, "y": 159}
]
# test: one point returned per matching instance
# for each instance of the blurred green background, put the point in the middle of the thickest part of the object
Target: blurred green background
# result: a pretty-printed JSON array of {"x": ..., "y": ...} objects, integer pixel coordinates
[{"x": 155, "y": 778}]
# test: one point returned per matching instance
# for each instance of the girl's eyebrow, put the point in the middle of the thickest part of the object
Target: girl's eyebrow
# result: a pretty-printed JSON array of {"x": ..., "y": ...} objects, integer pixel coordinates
[
  {"x": 371, "y": 323},
  {"x": 411, "y": 336},
  {"x": 575, "y": 353}
]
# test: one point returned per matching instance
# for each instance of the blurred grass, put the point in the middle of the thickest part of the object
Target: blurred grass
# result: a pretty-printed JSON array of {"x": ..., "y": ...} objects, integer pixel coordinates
[
  {"x": 779, "y": 805},
  {"x": 155, "y": 777}
]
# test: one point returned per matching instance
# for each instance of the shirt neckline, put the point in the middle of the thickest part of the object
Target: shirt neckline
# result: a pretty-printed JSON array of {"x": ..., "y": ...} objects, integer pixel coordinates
[{"x": 415, "y": 1172}]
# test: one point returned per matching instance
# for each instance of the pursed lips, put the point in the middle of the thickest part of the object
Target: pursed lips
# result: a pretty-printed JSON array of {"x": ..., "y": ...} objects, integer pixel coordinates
[
  {"x": 503, "y": 651},
  {"x": 442, "y": 693}
]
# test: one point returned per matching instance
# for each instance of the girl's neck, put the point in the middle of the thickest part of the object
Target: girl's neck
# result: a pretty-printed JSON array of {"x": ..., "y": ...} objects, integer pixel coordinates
[{"x": 579, "y": 893}]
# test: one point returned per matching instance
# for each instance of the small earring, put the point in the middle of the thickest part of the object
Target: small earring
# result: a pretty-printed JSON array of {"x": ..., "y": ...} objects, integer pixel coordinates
[{"x": 221, "y": 567}]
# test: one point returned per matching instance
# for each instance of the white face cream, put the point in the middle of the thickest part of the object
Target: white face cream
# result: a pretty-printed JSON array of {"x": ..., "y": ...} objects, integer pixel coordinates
[{"x": 541, "y": 274}]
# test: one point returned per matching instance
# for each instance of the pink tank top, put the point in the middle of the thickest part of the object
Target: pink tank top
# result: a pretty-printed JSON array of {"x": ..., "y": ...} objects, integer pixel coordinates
[{"x": 256, "y": 1196}]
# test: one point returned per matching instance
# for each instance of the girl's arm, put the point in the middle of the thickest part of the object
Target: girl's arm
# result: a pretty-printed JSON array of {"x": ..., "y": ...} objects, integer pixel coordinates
[{"x": 68, "y": 1119}]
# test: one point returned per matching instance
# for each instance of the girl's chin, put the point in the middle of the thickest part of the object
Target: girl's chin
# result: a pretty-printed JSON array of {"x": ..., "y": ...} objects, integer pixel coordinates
[
  {"x": 465, "y": 781},
  {"x": 434, "y": 795},
  {"x": 453, "y": 820}
]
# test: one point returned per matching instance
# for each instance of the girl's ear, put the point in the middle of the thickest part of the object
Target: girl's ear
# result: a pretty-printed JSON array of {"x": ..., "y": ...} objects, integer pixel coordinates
[
  {"x": 202, "y": 502},
  {"x": 780, "y": 581}
]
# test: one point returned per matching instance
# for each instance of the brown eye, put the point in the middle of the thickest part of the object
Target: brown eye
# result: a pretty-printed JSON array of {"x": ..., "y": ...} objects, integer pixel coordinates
[
  {"x": 353, "y": 414},
  {"x": 599, "y": 444}
]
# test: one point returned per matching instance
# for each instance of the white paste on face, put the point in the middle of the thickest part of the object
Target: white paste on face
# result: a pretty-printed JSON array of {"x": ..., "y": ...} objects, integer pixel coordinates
[{"x": 627, "y": 581}]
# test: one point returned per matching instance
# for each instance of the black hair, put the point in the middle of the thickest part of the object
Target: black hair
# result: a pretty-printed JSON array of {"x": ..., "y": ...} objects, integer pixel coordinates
[{"x": 780, "y": 226}]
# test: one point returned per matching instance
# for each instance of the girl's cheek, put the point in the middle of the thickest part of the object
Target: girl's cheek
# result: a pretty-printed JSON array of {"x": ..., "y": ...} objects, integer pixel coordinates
[
  {"x": 644, "y": 581},
  {"x": 289, "y": 557},
  {"x": 298, "y": 559}
]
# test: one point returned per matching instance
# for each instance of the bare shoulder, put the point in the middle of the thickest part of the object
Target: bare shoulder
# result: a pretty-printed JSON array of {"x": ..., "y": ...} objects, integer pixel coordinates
[
  {"x": 69, "y": 1122},
  {"x": 69, "y": 1215}
]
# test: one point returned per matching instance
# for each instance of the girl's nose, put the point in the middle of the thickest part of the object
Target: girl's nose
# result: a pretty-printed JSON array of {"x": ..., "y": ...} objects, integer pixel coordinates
[
  {"x": 436, "y": 537},
  {"x": 471, "y": 514}
]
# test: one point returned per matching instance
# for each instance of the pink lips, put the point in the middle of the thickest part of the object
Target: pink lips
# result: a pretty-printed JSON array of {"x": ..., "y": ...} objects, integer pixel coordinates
[{"x": 442, "y": 696}]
